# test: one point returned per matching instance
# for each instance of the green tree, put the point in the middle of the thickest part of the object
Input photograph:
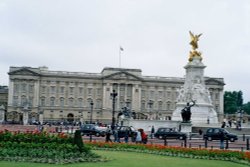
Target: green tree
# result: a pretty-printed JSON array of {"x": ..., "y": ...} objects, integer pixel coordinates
[
  {"x": 246, "y": 108},
  {"x": 232, "y": 101}
]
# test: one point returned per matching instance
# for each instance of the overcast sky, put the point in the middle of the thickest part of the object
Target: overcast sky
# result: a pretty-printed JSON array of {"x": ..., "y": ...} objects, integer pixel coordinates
[{"x": 85, "y": 35}]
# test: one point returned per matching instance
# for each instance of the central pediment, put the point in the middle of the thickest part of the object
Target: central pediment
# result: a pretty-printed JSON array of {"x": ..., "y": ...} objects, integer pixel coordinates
[{"x": 122, "y": 76}]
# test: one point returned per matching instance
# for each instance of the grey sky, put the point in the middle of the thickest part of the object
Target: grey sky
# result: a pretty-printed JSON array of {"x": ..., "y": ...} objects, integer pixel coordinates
[{"x": 85, "y": 35}]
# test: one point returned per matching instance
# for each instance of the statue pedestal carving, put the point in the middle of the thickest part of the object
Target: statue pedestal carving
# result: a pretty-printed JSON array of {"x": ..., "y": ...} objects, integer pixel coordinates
[{"x": 186, "y": 127}]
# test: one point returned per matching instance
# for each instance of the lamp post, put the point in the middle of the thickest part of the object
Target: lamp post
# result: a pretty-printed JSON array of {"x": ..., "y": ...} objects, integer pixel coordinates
[
  {"x": 113, "y": 96},
  {"x": 91, "y": 115},
  {"x": 150, "y": 103}
]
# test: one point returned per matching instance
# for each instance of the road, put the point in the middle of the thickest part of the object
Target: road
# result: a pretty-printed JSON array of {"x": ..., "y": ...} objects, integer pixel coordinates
[{"x": 191, "y": 143}]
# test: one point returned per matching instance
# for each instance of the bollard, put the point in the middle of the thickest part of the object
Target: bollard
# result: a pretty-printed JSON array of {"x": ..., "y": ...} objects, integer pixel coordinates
[
  {"x": 205, "y": 143},
  {"x": 165, "y": 142},
  {"x": 185, "y": 143},
  {"x": 199, "y": 146},
  {"x": 247, "y": 143},
  {"x": 190, "y": 145},
  {"x": 226, "y": 144}
]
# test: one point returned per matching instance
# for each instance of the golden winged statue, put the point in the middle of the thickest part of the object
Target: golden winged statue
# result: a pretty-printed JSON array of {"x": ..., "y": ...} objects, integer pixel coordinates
[{"x": 194, "y": 40}]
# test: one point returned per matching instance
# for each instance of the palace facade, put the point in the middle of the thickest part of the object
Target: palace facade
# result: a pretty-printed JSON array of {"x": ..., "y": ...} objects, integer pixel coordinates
[{"x": 61, "y": 95}]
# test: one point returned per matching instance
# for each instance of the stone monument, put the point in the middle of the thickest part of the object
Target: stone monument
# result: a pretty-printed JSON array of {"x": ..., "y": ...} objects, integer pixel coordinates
[{"x": 194, "y": 89}]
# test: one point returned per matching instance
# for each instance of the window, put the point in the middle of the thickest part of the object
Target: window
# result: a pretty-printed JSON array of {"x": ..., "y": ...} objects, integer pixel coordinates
[
  {"x": 80, "y": 102},
  {"x": 168, "y": 105},
  {"x": 160, "y": 105},
  {"x": 31, "y": 88},
  {"x": 71, "y": 90},
  {"x": 42, "y": 101},
  {"x": 43, "y": 89},
  {"x": 129, "y": 90},
  {"x": 80, "y": 91},
  {"x": 30, "y": 101},
  {"x": 52, "y": 101},
  {"x": 217, "y": 96},
  {"x": 89, "y": 91},
  {"x": 99, "y": 91},
  {"x": 61, "y": 102},
  {"x": 15, "y": 101},
  {"x": 143, "y": 93},
  {"x": 16, "y": 88},
  {"x": 143, "y": 106},
  {"x": 62, "y": 90},
  {"x": 52, "y": 89},
  {"x": 160, "y": 94},
  {"x": 24, "y": 87},
  {"x": 152, "y": 94},
  {"x": 71, "y": 102},
  {"x": 23, "y": 100}
]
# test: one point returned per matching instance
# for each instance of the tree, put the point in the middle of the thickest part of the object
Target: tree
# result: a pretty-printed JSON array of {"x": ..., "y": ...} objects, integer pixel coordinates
[
  {"x": 233, "y": 101},
  {"x": 246, "y": 108}
]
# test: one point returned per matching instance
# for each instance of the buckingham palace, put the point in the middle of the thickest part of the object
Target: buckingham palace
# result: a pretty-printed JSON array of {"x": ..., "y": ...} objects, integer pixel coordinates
[{"x": 45, "y": 95}]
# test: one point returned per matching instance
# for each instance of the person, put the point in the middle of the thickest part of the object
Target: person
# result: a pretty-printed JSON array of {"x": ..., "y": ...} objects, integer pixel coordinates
[
  {"x": 200, "y": 132},
  {"x": 108, "y": 134},
  {"x": 126, "y": 135},
  {"x": 230, "y": 123},
  {"x": 144, "y": 136},
  {"x": 152, "y": 132},
  {"x": 222, "y": 138},
  {"x": 223, "y": 124},
  {"x": 138, "y": 137}
]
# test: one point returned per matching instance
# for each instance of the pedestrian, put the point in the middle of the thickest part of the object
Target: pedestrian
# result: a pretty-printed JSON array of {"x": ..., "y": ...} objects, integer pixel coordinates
[
  {"x": 200, "y": 132},
  {"x": 108, "y": 134},
  {"x": 138, "y": 137},
  {"x": 223, "y": 124},
  {"x": 222, "y": 138},
  {"x": 144, "y": 136},
  {"x": 126, "y": 135},
  {"x": 152, "y": 132}
]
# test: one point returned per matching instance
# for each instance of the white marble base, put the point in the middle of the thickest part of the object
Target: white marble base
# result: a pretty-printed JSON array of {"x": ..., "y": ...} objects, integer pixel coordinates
[
  {"x": 200, "y": 113},
  {"x": 186, "y": 127}
]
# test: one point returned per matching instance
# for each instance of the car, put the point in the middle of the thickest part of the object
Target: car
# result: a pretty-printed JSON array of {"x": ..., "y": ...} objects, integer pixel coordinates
[
  {"x": 215, "y": 134},
  {"x": 122, "y": 130},
  {"x": 91, "y": 129},
  {"x": 170, "y": 133}
]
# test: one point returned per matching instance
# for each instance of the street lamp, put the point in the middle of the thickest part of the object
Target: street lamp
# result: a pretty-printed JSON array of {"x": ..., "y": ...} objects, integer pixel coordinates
[
  {"x": 91, "y": 115},
  {"x": 150, "y": 103},
  {"x": 113, "y": 96}
]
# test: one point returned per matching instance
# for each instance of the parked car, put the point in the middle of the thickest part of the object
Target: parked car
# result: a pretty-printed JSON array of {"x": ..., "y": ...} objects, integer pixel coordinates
[
  {"x": 170, "y": 133},
  {"x": 215, "y": 134},
  {"x": 91, "y": 129}
]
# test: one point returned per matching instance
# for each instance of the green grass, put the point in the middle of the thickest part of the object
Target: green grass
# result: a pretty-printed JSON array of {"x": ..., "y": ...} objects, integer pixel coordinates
[{"x": 131, "y": 159}]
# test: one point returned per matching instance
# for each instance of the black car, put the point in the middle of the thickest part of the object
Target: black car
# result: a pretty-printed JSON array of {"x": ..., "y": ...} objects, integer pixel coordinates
[
  {"x": 170, "y": 133},
  {"x": 91, "y": 129},
  {"x": 122, "y": 130},
  {"x": 215, "y": 134}
]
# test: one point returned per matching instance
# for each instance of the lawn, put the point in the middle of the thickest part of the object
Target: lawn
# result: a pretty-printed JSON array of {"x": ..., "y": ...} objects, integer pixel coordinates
[{"x": 131, "y": 159}]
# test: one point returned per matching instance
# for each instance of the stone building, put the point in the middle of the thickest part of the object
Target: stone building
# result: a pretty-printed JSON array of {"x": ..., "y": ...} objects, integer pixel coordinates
[
  {"x": 60, "y": 95},
  {"x": 4, "y": 96}
]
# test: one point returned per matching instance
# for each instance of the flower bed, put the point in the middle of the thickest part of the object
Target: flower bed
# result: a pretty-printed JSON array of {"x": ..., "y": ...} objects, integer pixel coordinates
[
  {"x": 44, "y": 148},
  {"x": 228, "y": 155}
]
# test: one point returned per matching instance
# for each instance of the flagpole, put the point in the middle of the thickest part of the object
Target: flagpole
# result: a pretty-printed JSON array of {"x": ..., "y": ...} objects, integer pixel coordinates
[{"x": 119, "y": 57}]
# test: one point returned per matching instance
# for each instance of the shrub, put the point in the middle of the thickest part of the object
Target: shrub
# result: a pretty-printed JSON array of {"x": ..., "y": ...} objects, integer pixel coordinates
[{"x": 45, "y": 148}]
